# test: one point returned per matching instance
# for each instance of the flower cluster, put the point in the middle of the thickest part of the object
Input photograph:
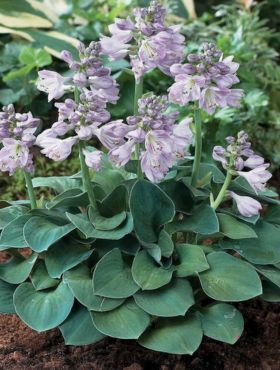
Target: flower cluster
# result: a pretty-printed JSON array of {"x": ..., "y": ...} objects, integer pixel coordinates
[
  {"x": 17, "y": 136},
  {"x": 153, "y": 133},
  {"x": 240, "y": 159},
  {"x": 95, "y": 88},
  {"x": 147, "y": 40},
  {"x": 206, "y": 78}
]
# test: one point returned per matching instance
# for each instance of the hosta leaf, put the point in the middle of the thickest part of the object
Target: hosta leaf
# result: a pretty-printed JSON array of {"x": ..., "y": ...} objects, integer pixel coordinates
[
  {"x": 179, "y": 335},
  {"x": 234, "y": 229},
  {"x": 128, "y": 321},
  {"x": 69, "y": 198},
  {"x": 148, "y": 274},
  {"x": 181, "y": 196},
  {"x": 273, "y": 215},
  {"x": 192, "y": 260},
  {"x": 43, "y": 310},
  {"x": 82, "y": 223},
  {"x": 151, "y": 208},
  {"x": 79, "y": 280},
  {"x": 112, "y": 277},
  {"x": 6, "y": 297},
  {"x": 58, "y": 183},
  {"x": 41, "y": 233},
  {"x": 222, "y": 322},
  {"x": 64, "y": 255},
  {"x": 229, "y": 278},
  {"x": 115, "y": 202},
  {"x": 78, "y": 328},
  {"x": 17, "y": 269},
  {"x": 12, "y": 234},
  {"x": 165, "y": 243},
  {"x": 203, "y": 221},
  {"x": 104, "y": 223},
  {"x": 271, "y": 273},
  {"x": 271, "y": 292},
  {"x": 40, "y": 277},
  {"x": 173, "y": 299},
  {"x": 8, "y": 214},
  {"x": 128, "y": 245},
  {"x": 263, "y": 250}
]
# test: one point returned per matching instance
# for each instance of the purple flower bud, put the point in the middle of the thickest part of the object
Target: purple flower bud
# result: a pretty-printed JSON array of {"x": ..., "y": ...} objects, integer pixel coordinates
[
  {"x": 67, "y": 56},
  {"x": 247, "y": 206},
  {"x": 254, "y": 161},
  {"x": 219, "y": 154}
]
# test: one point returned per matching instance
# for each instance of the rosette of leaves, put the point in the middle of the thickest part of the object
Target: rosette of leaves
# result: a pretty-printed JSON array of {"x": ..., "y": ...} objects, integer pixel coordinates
[{"x": 154, "y": 263}]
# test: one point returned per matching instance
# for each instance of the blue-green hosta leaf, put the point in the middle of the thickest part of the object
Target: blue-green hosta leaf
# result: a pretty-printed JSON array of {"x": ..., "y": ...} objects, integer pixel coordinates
[
  {"x": 104, "y": 223},
  {"x": 222, "y": 322},
  {"x": 180, "y": 195},
  {"x": 6, "y": 297},
  {"x": 40, "y": 278},
  {"x": 8, "y": 214},
  {"x": 173, "y": 299},
  {"x": 79, "y": 280},
  {"x": 108, "y": 179},
  {"x": 127, "y": 321},
  {"x": 78, "y": 328},
  {"x": 41, "y": 233},
  {"x": 273, "y": 215},
  {"x": 17, "y": 269},
  {"x": 165, "y": 243},
  {"x": 64, "y": 255},
  {"x": 271, "y": 273},
  {"x": 12, "y": 234},
  {"x": 229, "y": 278},
  {"x": 178, "y": 335},
  {"x": 115, "y": 202},
  {"x": 58, "y": 183},
  {"x": 234, "y": 229},
  {"x": 82, "y": 223},
  {"x": 43, "y": 310},
  {"x": 112, "y": 277},
  {"x": 151, "y": 208},
  {"x": 192, "y": 260},
  {"x": 271, "y": 292},
  {"x": 263, "y": 250},
  {"x": 203, "y": 221},
  {"x": 69, "y": 198},
  {"x": 148, "y": 274}
]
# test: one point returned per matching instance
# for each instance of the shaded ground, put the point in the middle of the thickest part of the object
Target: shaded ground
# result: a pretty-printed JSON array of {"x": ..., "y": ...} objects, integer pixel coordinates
[{"x": 259, "y": 348}]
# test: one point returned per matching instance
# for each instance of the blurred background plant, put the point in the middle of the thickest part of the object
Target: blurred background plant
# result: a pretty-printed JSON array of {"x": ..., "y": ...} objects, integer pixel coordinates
[{"x": 33, "y": 32}]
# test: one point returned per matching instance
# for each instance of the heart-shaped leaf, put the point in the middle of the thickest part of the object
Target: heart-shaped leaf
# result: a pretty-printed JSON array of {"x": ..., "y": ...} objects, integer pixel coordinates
[
  {"x": 222, "y": 322},
  {"x": 148, "y": 274},
  {"x": 6, "y": 293},
  {"x": 78, "y": 328},
  {"x": 12, "y": 234},
  {"x": 112, "y": 277},
  {"x": 127, "y": 321},
  {"x": 173, "y": 299},
  {"x": 179, "y": 335},
  {"x": 192, "y": 260},
  {"x": 43, "y": 310},
  {"x": 234, "y": 229},
  {"x": 104, "y": 223},
  {"x": 40, "y": 278},
  {"x": 229, "y": 278},
  {"x": 8, "y": 214},
  {"x": 17, "y": 269},
  {"x": 151, "y": 208}
]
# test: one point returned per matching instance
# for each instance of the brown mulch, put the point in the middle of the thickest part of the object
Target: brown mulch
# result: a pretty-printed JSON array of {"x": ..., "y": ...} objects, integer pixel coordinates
[{"x": 259, "y": 348}]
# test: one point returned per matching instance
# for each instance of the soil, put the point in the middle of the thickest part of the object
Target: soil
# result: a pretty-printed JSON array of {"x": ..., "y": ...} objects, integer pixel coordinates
[{"x": 259, "y": 348}]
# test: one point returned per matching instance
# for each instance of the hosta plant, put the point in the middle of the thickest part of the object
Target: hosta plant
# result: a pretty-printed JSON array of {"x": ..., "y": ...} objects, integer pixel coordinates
[{"x": 146, "y": 242}]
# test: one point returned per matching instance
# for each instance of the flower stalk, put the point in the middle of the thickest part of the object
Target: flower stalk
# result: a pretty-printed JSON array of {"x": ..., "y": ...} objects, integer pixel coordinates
[
  {"x": 30, "y": 189},
  {"x": 198, "y": 147},
  {"x": 223, "y": 190},
  {"x": 86, "y": 176},
  {"x": 138, "y": 92}
]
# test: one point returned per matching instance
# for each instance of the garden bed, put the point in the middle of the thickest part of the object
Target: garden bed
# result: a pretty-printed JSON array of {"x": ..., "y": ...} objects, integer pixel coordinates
[{"x": 258, "y": 348}]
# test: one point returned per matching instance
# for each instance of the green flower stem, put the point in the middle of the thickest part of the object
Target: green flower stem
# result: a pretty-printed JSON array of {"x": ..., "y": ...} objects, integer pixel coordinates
[
  {"x": 86, "y": 176},
  {"x": 223, "y": 190},
  {"x": 198, "y": 147},
  {"x": 30, "y": 190},
  {"x": 138, "y": 92}
]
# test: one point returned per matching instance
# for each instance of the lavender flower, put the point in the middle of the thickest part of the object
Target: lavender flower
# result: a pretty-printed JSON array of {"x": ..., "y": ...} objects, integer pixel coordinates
[
  {"x": 17, "y": 136},
  {"x": 80, "y": 119},
  {"x": 93, "y": 159},
  {"x": 52, "y": 83},
  {"x": 161, "y": 141},
  {"x": 247, "y": 206},
  {"x": 147, "y": 40},
  {"x": 206, "y": 78},
  {"x": 236, "y": 158}
]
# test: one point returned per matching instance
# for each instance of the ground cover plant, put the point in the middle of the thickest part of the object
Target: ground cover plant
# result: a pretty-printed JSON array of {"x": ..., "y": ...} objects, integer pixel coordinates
[{"x": 146, "y": 241}]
